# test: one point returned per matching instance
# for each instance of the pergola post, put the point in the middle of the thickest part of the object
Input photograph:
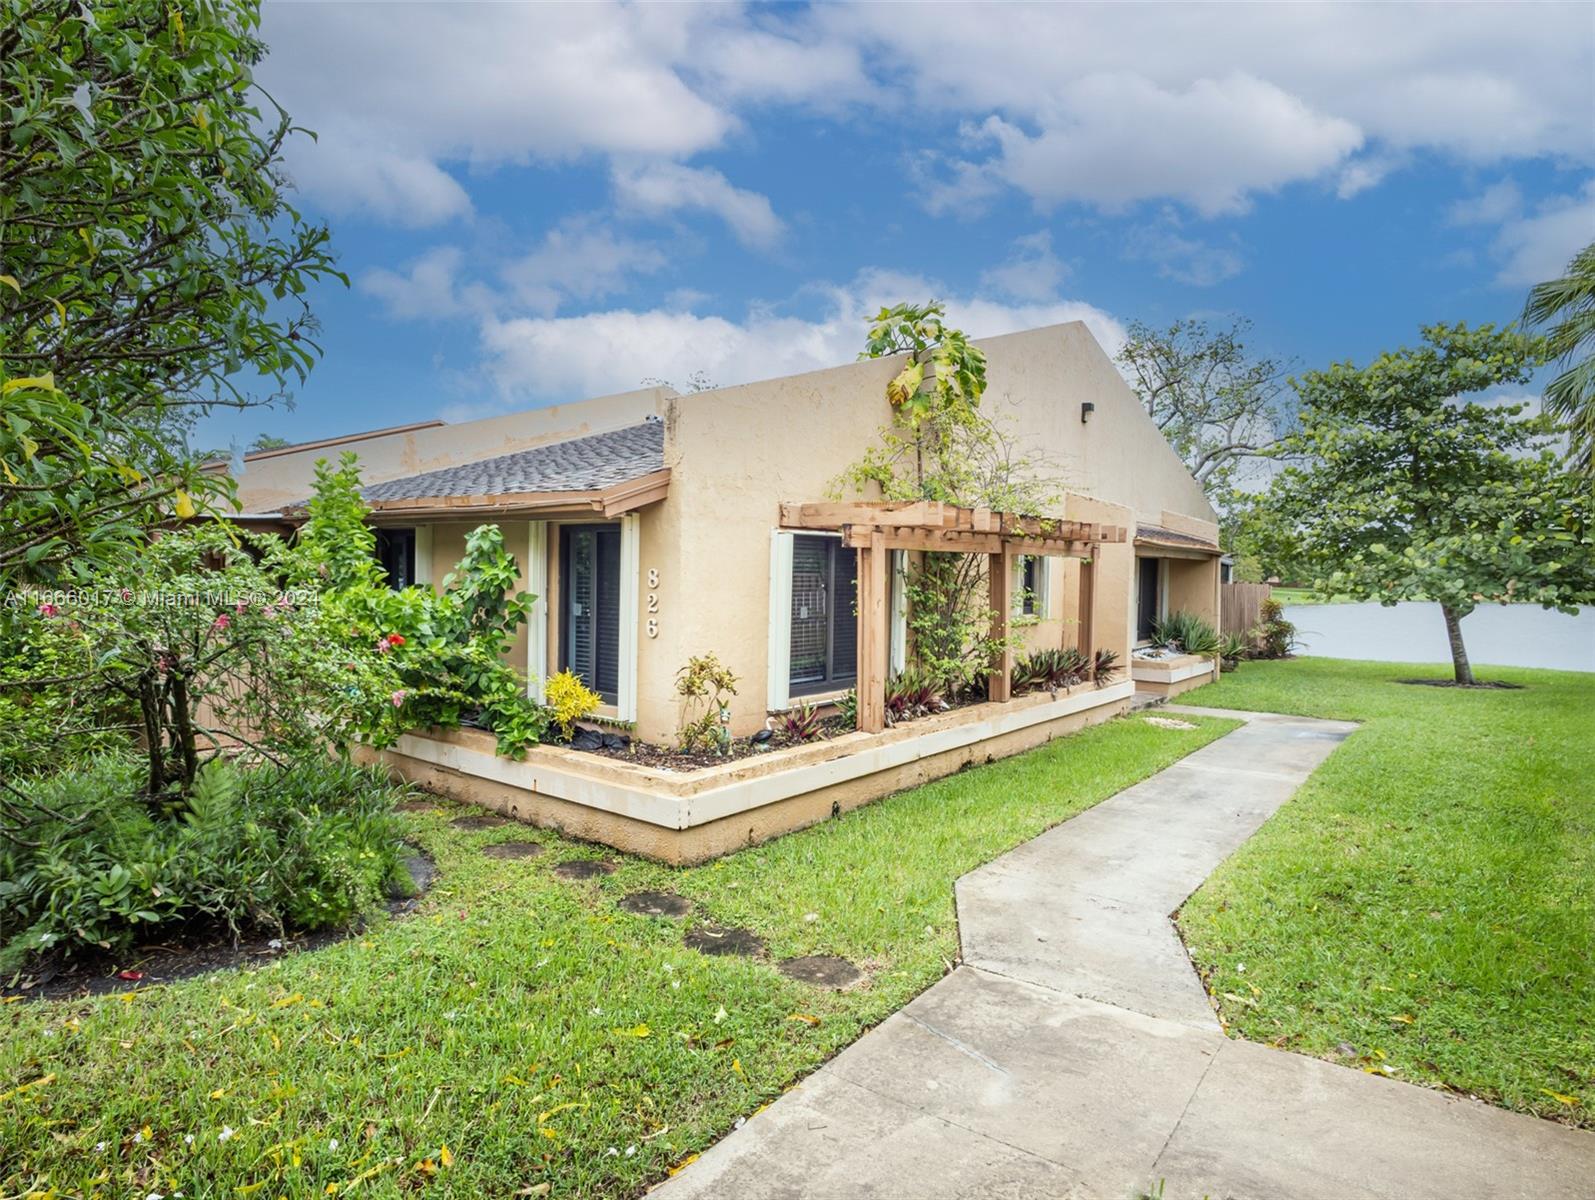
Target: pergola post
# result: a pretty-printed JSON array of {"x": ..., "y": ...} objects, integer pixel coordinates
[
  {"x": 1088, "y": 575},
  {"x": 872, "y": 634},
  {"x": 999, "y": 572}
]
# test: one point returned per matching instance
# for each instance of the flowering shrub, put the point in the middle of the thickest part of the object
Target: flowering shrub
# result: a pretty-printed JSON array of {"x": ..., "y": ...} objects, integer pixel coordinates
[
  {"x": 569, "y": 700},
  {"x": 446, "y": 648}
]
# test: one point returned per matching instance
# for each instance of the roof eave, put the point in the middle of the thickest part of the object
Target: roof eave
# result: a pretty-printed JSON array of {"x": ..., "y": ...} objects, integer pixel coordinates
[{"x": 611, "y": 501}]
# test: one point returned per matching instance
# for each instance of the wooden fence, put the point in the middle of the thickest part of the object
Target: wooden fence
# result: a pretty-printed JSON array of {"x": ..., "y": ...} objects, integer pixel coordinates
[{"x": 1240, "y": 606}]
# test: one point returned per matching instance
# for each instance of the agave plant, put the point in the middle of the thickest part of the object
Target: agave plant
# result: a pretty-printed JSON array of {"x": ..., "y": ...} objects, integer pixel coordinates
[
  {"x": 1187, "y": 631},
  {"x": 1232, "y": 648}
]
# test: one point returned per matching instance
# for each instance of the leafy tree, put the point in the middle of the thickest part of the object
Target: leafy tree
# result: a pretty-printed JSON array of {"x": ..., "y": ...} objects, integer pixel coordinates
[
  {"x": 1570, "y": 397},
  {"x": 148, "y": 261},
  {"x": 941, "y": 446},
  {"x": 1408, "y": 489},
  {"x": 1218, "y": 405},
  {"x": 268, "y": 441}
]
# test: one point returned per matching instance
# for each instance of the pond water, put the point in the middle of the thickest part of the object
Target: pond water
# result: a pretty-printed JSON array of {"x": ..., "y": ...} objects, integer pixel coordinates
[{"x": 1508, "y": 635}]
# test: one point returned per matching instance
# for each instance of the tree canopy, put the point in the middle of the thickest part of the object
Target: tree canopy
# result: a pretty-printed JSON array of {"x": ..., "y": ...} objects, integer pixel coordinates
[
  {"x": 1217, "y": 403},
  {"x": 1409, "y": 485},
  {"x": 150, "y": 265},
  {"x": 1567, "y": 305}
]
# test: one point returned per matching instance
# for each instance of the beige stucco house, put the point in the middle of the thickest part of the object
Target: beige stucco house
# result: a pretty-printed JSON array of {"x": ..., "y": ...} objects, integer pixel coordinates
[{"x": 650, "y": 525}]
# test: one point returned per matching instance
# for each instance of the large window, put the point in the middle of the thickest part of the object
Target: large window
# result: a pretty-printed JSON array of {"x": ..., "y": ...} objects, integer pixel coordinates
[
  {"x": 824, "y": 638},
  {"x": 396, "y": 553},
  {"x": 589, "y": 579}
]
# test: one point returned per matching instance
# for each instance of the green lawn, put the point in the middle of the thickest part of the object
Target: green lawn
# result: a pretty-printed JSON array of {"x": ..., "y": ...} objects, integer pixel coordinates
[
  {"x": 542, "y": 1035},
  {"x": 1296, "y": 595},
  {"x": 1425, "y": 905}
]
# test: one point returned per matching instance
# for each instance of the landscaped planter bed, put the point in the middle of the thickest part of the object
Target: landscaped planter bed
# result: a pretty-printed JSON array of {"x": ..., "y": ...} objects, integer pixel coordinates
[{"x": 689, "y": 816}]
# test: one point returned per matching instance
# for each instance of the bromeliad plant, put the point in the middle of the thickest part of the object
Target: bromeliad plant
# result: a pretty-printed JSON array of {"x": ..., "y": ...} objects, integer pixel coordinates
[
  {"x": 800, "y": 724},
  {"x": 912, "y": 695},
  {"x": 1050, "y": 670}
]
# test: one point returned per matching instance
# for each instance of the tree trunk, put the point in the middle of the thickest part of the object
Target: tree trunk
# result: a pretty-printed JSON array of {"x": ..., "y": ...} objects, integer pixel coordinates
[
  {"x": 149, "y": 701},
  {"x": 1459, "y": 653}
]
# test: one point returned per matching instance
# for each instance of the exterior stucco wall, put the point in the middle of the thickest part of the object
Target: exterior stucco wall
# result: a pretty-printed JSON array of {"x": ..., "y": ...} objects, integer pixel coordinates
[
  {"x": 736, "y": 453},
  {"x": 1193, "y": 587}
]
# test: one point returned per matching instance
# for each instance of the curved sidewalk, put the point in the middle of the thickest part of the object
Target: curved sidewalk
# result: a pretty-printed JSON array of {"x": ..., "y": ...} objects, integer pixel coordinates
[{"x": 1074, "y": 1053}]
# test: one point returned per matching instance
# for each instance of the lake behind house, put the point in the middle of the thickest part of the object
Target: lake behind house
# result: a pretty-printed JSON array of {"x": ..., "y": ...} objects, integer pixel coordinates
[{"x": 1515, "y": 635}]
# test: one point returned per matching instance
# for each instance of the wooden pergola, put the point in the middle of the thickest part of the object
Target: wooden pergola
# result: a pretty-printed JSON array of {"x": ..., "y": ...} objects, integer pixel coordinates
[{"x": 875, "y": 527}]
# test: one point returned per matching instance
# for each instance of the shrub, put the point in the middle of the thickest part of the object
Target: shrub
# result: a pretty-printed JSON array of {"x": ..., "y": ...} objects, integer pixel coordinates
[
  {"x": 847, "y": 708},
  {"x": 1187, "y": 631},
  {"x": 105, "y": 866},
  {"x": 1233, "y": 647},
  {"x": 1106, "y": 664},
  {"x": 569, "y": 701},
  {"x": 1274, "y": 637},
  {"x": 704, "y": 681}
]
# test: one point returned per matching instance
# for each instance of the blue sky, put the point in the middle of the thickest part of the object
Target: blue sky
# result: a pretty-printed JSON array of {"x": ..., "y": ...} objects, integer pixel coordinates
[{"x": 538, "y": 203}]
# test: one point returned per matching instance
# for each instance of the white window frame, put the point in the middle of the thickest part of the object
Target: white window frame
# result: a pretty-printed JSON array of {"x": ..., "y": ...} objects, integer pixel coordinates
[
  {"x": 630, "y": 614},
  {"x": 1043, "y": 592},
  {"x": 423, "y": 555},
  {"x": 897, "y": 647},
  {"x": 537, "y": 619}
]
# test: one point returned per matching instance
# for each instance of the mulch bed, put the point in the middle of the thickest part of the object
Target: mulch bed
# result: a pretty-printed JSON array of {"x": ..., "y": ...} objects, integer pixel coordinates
[
  {"x": 209, "y": 950},
  {"x": 1482, "y": 685}
]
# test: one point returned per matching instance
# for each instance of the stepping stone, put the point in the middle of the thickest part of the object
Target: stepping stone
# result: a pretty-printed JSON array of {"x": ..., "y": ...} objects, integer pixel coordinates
[
  {"x": 656, "y": 904},
  {"x": 821, "y": 970},
  {"x": 513, "y": 850},
  {"x": 485, "y": 821},
  {"x": 584, "y": 868},
  {"x": 714, "y": 939},
  {"x": 416, "y": 806}
]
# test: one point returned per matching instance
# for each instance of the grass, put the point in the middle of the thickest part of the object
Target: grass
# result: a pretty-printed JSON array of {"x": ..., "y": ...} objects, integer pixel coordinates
[
  {"x": 1425, "y": 905},
  {"x": 550, "y": 1041},
  {"x": 1300, "y": 595}
]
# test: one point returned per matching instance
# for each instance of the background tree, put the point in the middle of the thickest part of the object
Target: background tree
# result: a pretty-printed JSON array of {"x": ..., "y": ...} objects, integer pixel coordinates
[
  {"x": 1406, "y": 489},
  {"x": 148, "y": 261},
  {"x": 1218, "y": 405},
  {"x": 1568, "y": 306}
]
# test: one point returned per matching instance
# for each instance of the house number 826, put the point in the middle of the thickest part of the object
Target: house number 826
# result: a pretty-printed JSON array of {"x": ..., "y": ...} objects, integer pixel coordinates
[{"x": 653, "y": 602}]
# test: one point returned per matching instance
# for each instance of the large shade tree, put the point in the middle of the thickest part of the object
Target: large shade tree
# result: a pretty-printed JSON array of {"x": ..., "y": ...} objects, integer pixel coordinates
[
  {"x": 149, "y": 265},
  {"x": 1222, "y": 407},
  {"x": 1411, "y": 484},
  {"x": 1567, "y": 307}
]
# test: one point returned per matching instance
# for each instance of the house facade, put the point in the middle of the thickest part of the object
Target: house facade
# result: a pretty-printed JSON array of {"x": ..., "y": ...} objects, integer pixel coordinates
[{"x": 648, "y": 523}]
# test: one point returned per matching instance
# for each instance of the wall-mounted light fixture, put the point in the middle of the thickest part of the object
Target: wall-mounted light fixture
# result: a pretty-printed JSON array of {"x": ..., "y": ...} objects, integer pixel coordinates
[{"x": 1086, "y": 409}]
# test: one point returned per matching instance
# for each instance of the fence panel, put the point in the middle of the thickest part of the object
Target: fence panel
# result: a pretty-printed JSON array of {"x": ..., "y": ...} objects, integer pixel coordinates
[{"x": 1241, "y": 606}]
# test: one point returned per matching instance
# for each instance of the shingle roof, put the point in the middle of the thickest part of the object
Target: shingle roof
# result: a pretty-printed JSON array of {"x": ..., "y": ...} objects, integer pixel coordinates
[
  {"x": 583, "y": 464},
  {"x": 1157, "y": 535}
]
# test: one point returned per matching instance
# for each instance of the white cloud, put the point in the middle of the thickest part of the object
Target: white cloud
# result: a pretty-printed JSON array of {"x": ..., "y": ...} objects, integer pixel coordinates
[
  {"x": 660, "y": 188},
  {"x": 1538, "y": 247},
  {"x": 578, "y": 260},
  {"x": 425, "y": 290},
  {"x": 1479, "y": 83},
  {"x": 1117, "y": 139},
  {"x": 1180, "y": 258},
  {"x": 550, "y": 358},
  {"x": 1105, "y": 105},
  {"x": 1495, "y": 204},
  {"x": 1032, "y": 272}
]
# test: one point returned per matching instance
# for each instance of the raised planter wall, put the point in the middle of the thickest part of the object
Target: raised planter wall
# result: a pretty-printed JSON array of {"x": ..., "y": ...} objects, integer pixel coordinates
[
  {"x": 689, "y": 816},
  {"x": 1171, "y": 676}
]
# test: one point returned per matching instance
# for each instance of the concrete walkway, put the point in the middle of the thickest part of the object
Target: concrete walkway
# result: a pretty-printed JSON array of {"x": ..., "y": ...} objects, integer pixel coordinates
[{"x": 1074, "y": 1053}]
